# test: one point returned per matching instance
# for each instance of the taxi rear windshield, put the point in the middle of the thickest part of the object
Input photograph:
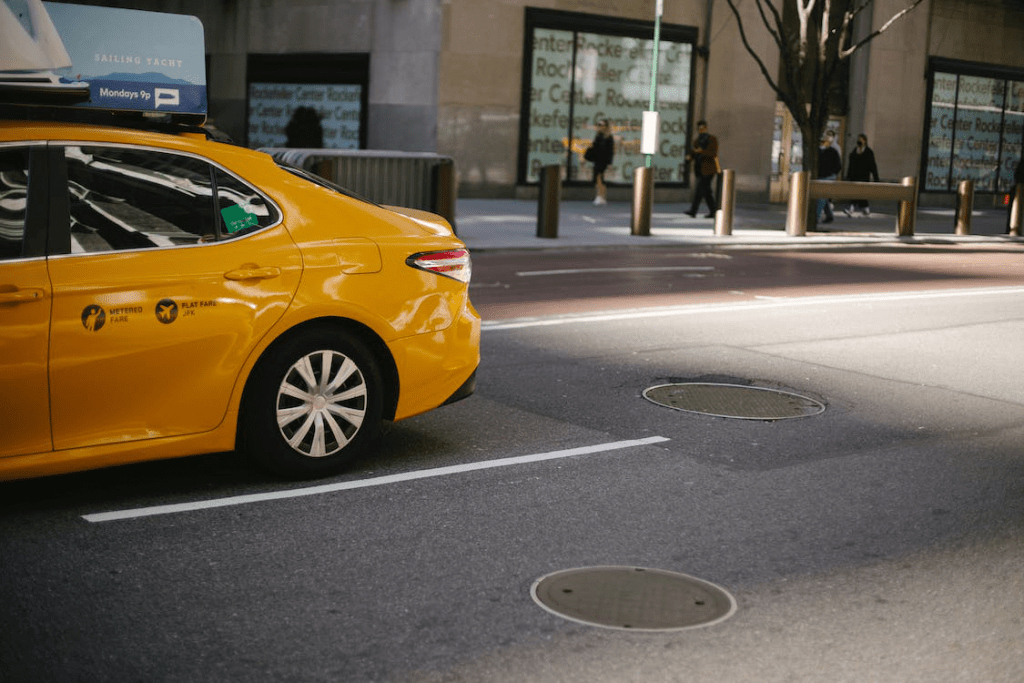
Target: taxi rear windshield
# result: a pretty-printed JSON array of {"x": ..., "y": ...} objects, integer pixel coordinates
[{"x": 323, "y": 182}]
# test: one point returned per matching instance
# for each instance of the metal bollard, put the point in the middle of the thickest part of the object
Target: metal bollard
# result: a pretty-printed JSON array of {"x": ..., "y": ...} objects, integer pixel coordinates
[
  {"x": 443, "y": 191},
  {"x": 964, "y": 206},
  {"x": 796, "y": 217},
  {"x": 1017, "y": 211},
  {"x": 727, "y": 199},
  {"x": 908, "y": 210},
  {"x": 549, "y": 200},
  {"x": 643, "y": 191}
]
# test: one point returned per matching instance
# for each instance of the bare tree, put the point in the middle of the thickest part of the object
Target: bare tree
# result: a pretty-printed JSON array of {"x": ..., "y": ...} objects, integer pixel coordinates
[{"x": 811, "y": 48}]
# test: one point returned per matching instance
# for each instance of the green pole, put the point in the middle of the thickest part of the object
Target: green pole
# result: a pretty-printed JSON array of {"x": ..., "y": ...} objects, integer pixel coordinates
[{"x": 654, "y": 63}]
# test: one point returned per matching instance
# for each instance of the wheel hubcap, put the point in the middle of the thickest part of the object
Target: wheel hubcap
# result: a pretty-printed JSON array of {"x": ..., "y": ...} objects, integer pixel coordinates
[{"x": 321, "y": 403}]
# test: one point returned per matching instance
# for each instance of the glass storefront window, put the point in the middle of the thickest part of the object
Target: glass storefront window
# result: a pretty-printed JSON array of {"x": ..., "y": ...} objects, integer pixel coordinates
[
  {"x": 975, "y": 131},
  {"x": 940, "y": 135},
  {"x": 272, "y": 105},
  {"x": 777, "y": 147},
  {"x": 550, "y": 99},
  {"x": 283, "y": 88},
  {"x": 979, "y": 107},
  {"x": 1013, "y": 134},
  {"x": 576, "y": 78}
]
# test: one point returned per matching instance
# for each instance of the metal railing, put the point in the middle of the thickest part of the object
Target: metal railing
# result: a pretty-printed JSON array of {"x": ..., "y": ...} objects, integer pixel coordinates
[
  {"x": 416, "y": 180},
  {"x": 803, "y": 189}
]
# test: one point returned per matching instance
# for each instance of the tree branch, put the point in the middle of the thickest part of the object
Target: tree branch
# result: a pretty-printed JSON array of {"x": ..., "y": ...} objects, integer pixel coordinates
[
  {"x": 757, "y": 58},
  {"x": 803, "y": 12},
  {"x": 778, "y": 30},
  {"x": 843, "y": 54},
  {"x": 825, "y": 31}
]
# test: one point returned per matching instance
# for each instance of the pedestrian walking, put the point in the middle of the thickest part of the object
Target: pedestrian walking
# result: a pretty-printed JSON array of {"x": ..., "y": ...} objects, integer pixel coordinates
[
  {"x": 829, "y": 166},
  {"x": 861, "y": 167},
  {"x": 833, "y": 140},
  {"x": 706, "y": 167},
  {"x": 600, "y": 153}
]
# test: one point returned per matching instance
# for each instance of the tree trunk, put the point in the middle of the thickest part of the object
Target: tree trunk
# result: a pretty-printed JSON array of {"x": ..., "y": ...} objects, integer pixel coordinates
[{"x": 811, "y": 138}]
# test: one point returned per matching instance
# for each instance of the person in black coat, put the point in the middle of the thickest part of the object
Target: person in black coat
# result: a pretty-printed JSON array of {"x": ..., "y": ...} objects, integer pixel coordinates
[
  {"x": 862, "y": 168},
  {"x": 601, "y": 153}
]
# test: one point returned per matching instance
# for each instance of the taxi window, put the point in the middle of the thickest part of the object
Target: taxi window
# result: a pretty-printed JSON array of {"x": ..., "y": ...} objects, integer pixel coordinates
[
  {"x": 124, "y": 198},
  {"x": 13, "y": 201},
  {"x": 241, "y": 209}
]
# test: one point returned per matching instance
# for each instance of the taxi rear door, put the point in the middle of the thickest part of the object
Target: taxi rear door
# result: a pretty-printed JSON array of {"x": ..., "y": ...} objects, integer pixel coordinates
[
  {"x": 157, "y": 305},
  {"x": 24, "y": 302}
]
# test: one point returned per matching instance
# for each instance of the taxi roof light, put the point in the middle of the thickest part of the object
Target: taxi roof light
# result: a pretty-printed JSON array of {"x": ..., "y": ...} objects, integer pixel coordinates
[{"x": 74, "y": 57}]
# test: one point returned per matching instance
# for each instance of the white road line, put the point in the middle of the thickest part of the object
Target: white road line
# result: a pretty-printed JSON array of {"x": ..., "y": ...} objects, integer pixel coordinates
[
  {"x": 637, "y": 269},
  {"x": 760, "y": 305},
  {"x": 365, "y": 483}
]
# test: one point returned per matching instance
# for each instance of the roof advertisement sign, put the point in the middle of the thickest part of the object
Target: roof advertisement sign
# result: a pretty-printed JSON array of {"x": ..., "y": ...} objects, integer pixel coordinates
[{"x": 130, "y": 60}]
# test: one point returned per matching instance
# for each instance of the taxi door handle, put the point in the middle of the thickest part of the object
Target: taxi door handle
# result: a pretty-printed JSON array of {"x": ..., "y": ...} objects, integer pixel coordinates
[
  {"x": 20, "y": 296},
  {"x": 252, "y": 273}
]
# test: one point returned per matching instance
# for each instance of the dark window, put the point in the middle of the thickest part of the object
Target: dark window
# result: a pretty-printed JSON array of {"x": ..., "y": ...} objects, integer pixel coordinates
[
  {"x": 123, "y": 198},
  {"x": 13, "y": 201},
  {"x": 242, "y": 210}
]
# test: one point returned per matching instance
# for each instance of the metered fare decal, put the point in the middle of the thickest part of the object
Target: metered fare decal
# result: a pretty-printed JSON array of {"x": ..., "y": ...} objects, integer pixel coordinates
[{"x": 95, "y": 317}]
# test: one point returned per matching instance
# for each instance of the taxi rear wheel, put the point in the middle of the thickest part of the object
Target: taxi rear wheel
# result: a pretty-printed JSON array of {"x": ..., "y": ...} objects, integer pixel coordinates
[{"x": 315, "y": 405}]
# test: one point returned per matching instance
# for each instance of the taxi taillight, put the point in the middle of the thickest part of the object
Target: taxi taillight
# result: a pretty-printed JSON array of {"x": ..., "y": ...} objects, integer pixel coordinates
[{"x": 453, "y": 263}]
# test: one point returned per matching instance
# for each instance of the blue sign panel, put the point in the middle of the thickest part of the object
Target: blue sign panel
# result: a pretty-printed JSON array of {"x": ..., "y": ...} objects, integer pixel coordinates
[{"x": 133, "y": 60}]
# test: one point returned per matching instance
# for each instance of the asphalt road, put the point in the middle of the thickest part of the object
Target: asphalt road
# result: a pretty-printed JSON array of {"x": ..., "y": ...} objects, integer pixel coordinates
[
  {"x": 516, "y": 283},
  {"x": 881, "y": 540}
]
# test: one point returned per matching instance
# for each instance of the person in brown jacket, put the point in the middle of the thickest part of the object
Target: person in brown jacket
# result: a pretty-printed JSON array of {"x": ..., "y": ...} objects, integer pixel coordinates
[{"x": 706, "y": 168}]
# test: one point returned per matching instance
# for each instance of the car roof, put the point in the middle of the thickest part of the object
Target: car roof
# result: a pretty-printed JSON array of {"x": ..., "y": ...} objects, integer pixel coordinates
[
  {"x": 240, "y": 160},
  {"x": 182, "y": 138},
  {"x": 24, "y": 129}
]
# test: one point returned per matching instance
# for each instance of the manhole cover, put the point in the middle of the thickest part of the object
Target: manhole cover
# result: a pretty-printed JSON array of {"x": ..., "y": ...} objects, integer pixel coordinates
[
  {"x": 633, "y": 598},
  {"x": 733, "y": 400}
]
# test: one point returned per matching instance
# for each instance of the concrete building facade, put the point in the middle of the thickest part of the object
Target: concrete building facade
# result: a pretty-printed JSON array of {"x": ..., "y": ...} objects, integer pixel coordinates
[{"x": 505, "y": 86}]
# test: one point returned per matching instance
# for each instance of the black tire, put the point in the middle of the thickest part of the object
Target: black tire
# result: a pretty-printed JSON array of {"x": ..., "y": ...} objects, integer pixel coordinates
[{"x": 314, "y": 404}]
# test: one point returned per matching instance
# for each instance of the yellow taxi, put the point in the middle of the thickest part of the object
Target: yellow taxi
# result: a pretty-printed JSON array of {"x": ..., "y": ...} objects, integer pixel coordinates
[{"x": 164, "y": 295}]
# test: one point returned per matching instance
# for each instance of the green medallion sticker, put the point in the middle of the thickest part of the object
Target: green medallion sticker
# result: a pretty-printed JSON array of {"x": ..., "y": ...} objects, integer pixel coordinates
[{"x": 236, "y": 218}]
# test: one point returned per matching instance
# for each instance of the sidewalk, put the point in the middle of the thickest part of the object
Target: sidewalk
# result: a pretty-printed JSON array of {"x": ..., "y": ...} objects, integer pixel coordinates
[{"x": 512, "y": 224}]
